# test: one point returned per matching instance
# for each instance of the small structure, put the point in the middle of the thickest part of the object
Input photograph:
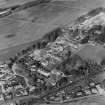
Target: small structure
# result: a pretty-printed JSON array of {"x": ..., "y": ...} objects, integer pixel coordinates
[{"x": 46, "y": 74}]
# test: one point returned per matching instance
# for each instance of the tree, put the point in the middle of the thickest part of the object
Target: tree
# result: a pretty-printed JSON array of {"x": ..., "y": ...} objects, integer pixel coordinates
[
  {"x": 28, "y": 90},
  {"x": 24, "y": 51},
  {"x": 103, "y": 62},
  {"x": 54, "y": 34},
  {"x": 85, "y": 40},
  {"x": 95, "y": 11},
  {"x": 12, "y": 60},
  {"x": 63, "y": 81},
  {"x": 67, "y": 72},
  {"x": 76, "y": 60},
  {"x": 76, "y": 32},
  {"x": 81, "y": 19},
  {"x": 43, "y": 44},
  {"x": 92, "y": 67},
  {"x": 38, "y": 44},
  {"x": 34, "y": 46},
  {"x": 77, "y": 72},
  {"x": 100, "y": 39}
]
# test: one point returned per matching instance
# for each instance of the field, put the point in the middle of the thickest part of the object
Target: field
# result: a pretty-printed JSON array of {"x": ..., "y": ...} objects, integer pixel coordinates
[
  {"x": 92, "y": 52},
  {"x": 21, "y": 29},
  {"x": 31, "y": 24}
]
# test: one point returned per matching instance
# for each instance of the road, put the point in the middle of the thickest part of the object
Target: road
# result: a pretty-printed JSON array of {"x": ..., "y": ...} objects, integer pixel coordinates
[
  {"x": 9, "y": 3},
  {"x": 15, "y": 8}
]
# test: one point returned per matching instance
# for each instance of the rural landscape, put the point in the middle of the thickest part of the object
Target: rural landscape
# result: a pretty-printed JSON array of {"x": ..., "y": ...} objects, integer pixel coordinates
[{"x": 52, "y": 52}]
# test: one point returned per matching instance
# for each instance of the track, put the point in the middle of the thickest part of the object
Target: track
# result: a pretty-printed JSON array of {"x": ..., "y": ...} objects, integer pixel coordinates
[{"x": 10, "y": 10}]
